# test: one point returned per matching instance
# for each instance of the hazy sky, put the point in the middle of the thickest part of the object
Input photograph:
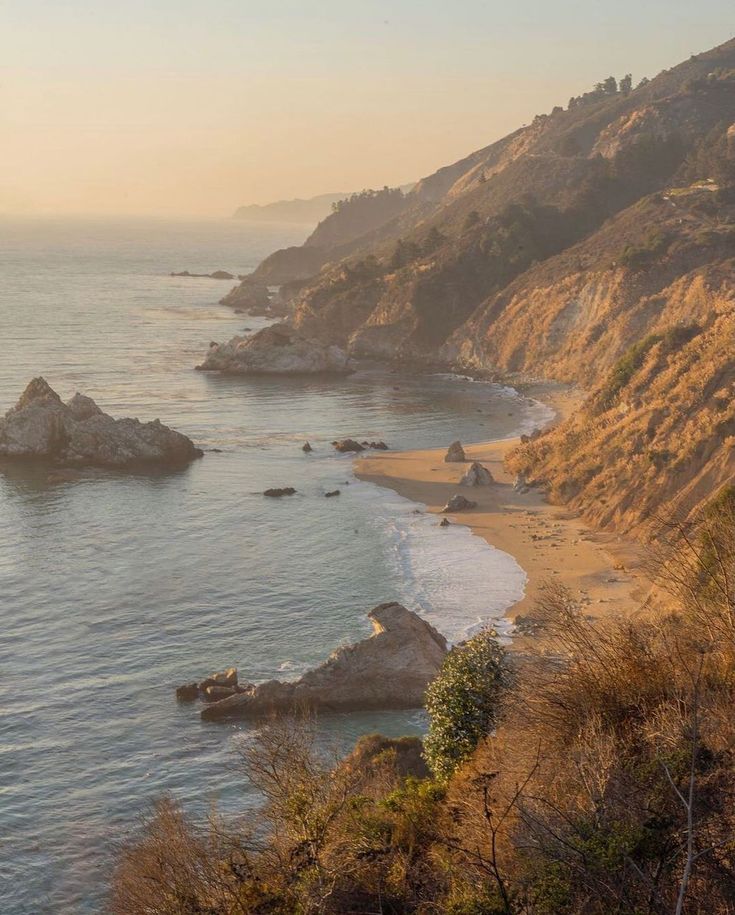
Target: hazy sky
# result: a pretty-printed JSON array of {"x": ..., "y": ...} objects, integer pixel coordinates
[{"x": 192, "y": 107}]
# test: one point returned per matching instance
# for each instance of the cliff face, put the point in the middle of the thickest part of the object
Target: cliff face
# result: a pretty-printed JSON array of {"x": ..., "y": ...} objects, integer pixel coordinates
[
  {"x": 550, "y": 254},
  {"x": 656, "y": 439},
  {"x": 469, "y": 252}
]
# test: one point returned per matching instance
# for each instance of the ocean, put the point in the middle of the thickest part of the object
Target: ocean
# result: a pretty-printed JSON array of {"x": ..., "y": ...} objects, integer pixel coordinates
[{"x": 115, "y": 588}]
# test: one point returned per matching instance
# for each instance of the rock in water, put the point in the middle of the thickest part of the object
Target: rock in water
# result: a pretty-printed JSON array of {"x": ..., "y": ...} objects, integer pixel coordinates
[
  {"x": 328, "y": 495},
  {"x": 306, "y": 448},
  {"x": 348, "y": 444},
  {"x": 276, "y": 350},
  {"x": 477, "y": 475},
  {"x": 277, "y": 493},
  {"x": 248, "y": 296},
  {"x": 445, "y": 522},
  {"x": 459, "y": 504},
  {"x": 455, "y": 453},
  {"x": 40, "y": 426},
  {"x": 389, "y": 670}
]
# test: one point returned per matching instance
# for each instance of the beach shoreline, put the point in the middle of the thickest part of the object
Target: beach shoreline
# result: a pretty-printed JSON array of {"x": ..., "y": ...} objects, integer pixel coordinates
[{"x": 549, "y": 542}]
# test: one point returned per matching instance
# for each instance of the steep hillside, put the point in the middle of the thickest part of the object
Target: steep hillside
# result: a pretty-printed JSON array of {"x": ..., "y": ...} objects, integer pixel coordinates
[
  {"x": 657, "y": 438},
  {"x": 596, "y": 246},
  {"x": 309, "y": 211},
  {"x": 435, "y": 281}
]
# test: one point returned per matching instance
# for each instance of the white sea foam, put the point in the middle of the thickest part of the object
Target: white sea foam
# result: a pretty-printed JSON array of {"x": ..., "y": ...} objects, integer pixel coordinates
[{"x": 457, "y": 580}]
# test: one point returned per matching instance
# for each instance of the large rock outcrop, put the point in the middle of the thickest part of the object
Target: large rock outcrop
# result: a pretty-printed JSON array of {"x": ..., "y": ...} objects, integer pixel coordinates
[
  {"x": 389, "y": 670},
  {"x": 42, "y": 427},
  {"x": 276, "y": 350}
]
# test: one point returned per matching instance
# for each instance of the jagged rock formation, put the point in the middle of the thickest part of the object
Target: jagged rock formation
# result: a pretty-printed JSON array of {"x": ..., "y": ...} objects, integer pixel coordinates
[
  {"x": 276, "y": 350},
  {"x": 477, "y": 475},
  {"x": 389, "y": 670},
  {"x": 455, "y": 453},
  {"x": 77, "y": 433}
]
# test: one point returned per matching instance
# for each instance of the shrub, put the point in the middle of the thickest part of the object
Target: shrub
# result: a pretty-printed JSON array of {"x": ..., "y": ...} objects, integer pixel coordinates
[{"x": 462, "y": 702}]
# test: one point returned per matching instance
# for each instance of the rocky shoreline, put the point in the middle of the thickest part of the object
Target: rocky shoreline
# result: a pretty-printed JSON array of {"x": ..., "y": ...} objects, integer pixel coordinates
[{"x": 389, "y": 670}]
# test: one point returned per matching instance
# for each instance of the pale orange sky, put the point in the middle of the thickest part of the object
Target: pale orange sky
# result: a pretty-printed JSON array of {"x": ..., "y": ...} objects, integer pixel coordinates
[{"x": 187, "y": 108}]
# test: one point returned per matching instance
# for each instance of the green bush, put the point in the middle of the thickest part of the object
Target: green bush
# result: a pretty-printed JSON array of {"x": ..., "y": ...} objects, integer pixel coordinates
[
  {"x": 462, "y": 702},
  {"x": 636, "y": 257}
]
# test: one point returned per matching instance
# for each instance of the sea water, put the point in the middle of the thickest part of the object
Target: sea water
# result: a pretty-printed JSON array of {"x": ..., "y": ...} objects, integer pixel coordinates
[{"x": 115, "y": 588}]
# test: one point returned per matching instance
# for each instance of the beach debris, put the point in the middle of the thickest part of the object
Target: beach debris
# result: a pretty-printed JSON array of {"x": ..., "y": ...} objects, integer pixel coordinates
[
  {"x": 455, "y": 453},
  {"x": 477, "y": 475},
  {"x": 389, "y": 670},
  {"x": 346, "y": 445},
  {"x": 276, "y": 493},
  {"x": 306, "y": 448},
  {"x": 458, "y": 503}
]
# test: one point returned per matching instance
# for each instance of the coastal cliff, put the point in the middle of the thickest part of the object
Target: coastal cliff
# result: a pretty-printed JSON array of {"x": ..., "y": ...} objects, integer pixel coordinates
[{"x": 553, "y": 252}]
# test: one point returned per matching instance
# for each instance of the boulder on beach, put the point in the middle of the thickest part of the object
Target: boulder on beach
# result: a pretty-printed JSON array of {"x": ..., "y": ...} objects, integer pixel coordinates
[
  {"x": 389, "y": 670},
  {"x": 276, "y": 350},
  {"x": 477, "y": 475},
  {"x": 276, "y": 493},
  {"x": 455, "y": 453},
  {"x": 346, "y": 445},
  {"x": 78, "y": 434},
  {"x": 458, "y": 503}
]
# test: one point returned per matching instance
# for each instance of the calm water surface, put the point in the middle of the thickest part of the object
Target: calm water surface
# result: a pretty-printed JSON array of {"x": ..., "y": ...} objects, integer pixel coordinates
[{"x": 116, "y": 588}]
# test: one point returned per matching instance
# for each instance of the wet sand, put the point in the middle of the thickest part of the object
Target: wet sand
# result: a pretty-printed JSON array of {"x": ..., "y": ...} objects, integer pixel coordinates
[{"x": 549, "y": 542}]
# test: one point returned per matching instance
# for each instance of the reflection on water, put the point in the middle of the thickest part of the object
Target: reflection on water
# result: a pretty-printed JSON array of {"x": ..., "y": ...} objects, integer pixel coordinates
[{"x": 117, "y": 587}]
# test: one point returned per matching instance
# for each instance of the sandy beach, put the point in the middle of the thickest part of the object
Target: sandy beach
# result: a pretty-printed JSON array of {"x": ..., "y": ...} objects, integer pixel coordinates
[{"x": 549, "y": 542}]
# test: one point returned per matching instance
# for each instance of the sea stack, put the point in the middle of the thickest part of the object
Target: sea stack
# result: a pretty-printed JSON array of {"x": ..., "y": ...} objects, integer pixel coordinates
[{"x": 77, "y": 434}]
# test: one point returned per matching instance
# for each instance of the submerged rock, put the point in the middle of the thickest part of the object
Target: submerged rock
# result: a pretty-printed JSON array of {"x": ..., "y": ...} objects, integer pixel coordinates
[
  {"x": 276, "y": 350},
  {"x": 455, "y": 453},
  {"x": 42, "y": 427},
  {"x": 217, "y": 275},
  {"x": 346, "y": 445},
  {"x": 445, "y": 522},
  {"x": 188, "y": 692},
  {"x": 328, "y": 495},
  {"x": 459, "y": 504},
  {"x": 277, "y": 493},
  {"x": 389, "y": 670},
  {"x": 477, "y": 475},
  {"x": 306, "y": 448}
]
